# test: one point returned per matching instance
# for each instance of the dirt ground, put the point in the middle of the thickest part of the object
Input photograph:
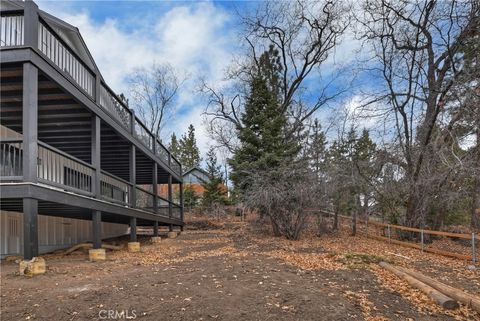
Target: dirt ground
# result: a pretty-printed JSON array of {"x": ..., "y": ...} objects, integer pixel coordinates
[{"x": 234, "y": 273}]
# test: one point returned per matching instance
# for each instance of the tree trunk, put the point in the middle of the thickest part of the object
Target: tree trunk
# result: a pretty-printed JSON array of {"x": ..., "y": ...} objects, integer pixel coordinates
[
  {"x": 335, "y": 220},
  {"x": 275, "y": 228}
]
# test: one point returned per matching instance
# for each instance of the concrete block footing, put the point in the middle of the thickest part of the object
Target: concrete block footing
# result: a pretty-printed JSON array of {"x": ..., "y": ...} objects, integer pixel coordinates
[
  {"x": 133, "y": 247},
  {"x": 172, "y": 235},
  {"x": 96, "y": 255},
  {"x": 35, "y": 266},
  {"x": 156, "y": 239}
]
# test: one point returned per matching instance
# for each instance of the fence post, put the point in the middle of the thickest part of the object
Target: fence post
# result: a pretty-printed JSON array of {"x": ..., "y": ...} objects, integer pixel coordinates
[
  {"x": 389, "y": 234},
  {"x": 474, "y": 257},
  {"x": 366, "y": 227},
  {"x": 421, "y": 238}
]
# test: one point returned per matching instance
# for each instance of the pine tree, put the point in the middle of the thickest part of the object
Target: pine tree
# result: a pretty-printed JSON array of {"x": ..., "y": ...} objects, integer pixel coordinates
[
  {"x": 264, "y": 143},
  {"x": 174, "y": 146},
  {"x": 214, "y": 193},
  {"x": 189, "y": 154}
]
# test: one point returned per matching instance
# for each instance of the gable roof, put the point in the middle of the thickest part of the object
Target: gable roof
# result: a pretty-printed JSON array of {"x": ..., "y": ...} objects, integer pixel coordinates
[
  {"x": 72, "y": 37},
  {"x": 195, "y": 168},
  {"x": 68, "y": 33}
]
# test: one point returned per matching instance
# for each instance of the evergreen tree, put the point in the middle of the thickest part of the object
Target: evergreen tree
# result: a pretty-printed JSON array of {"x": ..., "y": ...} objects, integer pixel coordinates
[
  {"x": 264, "y": 143},
  {"x": 214, "y": 192},
  {"x": 174, "y": 146},
  {"x": 189, "y": 154},
  {"x": 190, "y": 198}
]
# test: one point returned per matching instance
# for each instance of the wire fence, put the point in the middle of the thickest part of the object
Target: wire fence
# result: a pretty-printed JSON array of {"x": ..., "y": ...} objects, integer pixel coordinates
[{"x": 464, "y": 246}]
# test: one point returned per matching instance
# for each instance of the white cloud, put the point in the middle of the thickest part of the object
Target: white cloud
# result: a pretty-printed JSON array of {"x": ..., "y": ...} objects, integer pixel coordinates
[{"x": 192, "y": 37}]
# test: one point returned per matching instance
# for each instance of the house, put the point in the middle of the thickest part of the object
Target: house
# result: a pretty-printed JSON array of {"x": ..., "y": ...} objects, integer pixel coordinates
[
  {"x": 76, "y": 164},
  {"x": 194, "y": 179}
]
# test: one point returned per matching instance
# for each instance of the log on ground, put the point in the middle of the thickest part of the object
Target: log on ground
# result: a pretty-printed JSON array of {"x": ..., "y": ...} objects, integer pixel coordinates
[{"x": 437, "y": 296}]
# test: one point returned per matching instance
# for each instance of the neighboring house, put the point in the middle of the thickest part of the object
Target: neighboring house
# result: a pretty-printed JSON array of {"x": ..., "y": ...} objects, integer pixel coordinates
[
  {"x": 194, "y": 178},
  {"x": 75, "y": 163}
]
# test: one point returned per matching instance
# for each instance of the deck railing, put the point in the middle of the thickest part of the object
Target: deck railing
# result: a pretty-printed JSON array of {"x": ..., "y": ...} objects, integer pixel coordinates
[
  {"x": 59, "y": 53},
  {"x": 175, "y": 165},
  {"x": 161, "y": 152},
  {"x": 144, "y": 199},
  {"x": 62, "y": 170},
  {"x": 11, "y": 30},
  {"x": 111, "y": 103},
  {"x": 11, "y": 157},
  {"x": 115, "y": 189},
  {"x": 143, "y": 134}
]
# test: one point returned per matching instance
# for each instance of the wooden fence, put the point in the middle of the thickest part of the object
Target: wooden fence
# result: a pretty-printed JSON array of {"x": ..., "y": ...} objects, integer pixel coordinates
[{"x": 463, "y": 246}]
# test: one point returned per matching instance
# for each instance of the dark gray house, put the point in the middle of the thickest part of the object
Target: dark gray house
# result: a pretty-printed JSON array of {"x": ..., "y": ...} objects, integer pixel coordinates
[{"x": 75, "y": 162}]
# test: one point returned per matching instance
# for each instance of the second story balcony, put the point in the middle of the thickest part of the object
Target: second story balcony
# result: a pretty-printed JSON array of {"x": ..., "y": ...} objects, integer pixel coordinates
[
  {"x": 61, "y": 46},
  {"x": 63, "y": 129}
]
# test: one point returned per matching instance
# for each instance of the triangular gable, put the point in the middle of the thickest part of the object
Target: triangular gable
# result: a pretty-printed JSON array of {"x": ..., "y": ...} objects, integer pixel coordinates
[{"x": 72, "y": 37}]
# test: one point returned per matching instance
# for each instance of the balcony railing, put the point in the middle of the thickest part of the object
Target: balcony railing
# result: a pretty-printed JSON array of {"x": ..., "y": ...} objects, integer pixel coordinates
[
  {"x": 144, "y": 199},
  {"x": 55, "y": 50},
  {"x": 62, "y": 170},
  {"x": 143, "y": 134},
  {"x": 11, "y": 155},
  {"x": 115, "y": 189},
  {"x": 11, "y": 30},
  {"x": 110, "y": 102}
]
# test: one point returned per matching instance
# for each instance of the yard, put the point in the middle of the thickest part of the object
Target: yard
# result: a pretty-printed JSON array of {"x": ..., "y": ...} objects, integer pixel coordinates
[{"x": 234, "y": 271}]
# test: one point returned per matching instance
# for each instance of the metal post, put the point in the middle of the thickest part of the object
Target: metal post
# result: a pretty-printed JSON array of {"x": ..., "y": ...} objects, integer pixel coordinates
[
  {"x": 474, "y": 254},
  {"x": 30, "y": 122},
  {"x": 421, "y": 239},
  {"x": 96, "y": 141},
  {"x": 30, "y": 228},
  {"x": 170, "y": 196},
  {"x": 155, "y": 228},
  {"x": 133, "y": 229},
  {"x": 133, "y": 174},
  {"x": 389, "y": 234},
  {"x": 97, "y": 229},
  {"x": 155, "y": 187}
]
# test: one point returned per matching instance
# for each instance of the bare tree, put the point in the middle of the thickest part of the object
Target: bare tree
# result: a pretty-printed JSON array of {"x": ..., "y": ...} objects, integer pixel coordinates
[
  {"x": 305, "y": 34},
  {"x": 285, "y": 196},
  {"x": 416, "y": 45},
  {"x": 154, "y": 90}
]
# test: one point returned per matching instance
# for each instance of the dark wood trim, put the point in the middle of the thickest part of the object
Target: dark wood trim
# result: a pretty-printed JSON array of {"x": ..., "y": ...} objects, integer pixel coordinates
[
  {"x": 30, "y": 122},
  {"x": 30, "y": 228},
  {"x": 39, "y": 192}
]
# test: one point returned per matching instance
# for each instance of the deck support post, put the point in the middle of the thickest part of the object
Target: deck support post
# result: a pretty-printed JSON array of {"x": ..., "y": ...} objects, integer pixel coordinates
[
  {"x": 30, "y": 228},
  {"x": 96, "y": 141},
  {"x": 133, "y": 229},
  {"x": 30, "y": 122},
  {"x": 30, "y": 36},
  {"x": 155, "y": 228},
  {"x": 133, "y": 174},
  {"x": 170, "y": 196},
  {"x": 97, "y": 229},
  {"x": 170, "y": 228},
  {"x": 155, "y": 187},
  {"x": 181, "y": 202}
]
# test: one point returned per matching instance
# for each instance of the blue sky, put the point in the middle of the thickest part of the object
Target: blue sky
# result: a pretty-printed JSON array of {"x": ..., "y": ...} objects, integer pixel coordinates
[{"x": 198, "y": 38}]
